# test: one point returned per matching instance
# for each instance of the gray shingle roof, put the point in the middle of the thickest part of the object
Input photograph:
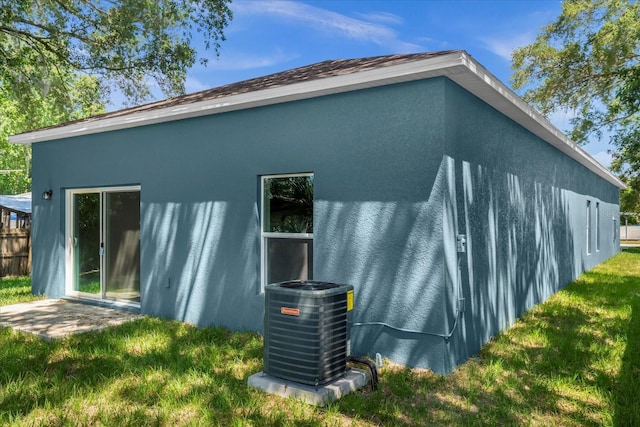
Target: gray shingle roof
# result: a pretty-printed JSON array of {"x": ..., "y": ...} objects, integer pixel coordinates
[
  {"x": 319, "y": 70},
  {"x": 329, "y": 77}
]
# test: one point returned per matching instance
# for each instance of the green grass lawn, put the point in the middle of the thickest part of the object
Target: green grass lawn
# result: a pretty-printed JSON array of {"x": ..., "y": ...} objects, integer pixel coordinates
[
  {"x": 14, "y": 290},
  {"x": 572, "y": 361}
]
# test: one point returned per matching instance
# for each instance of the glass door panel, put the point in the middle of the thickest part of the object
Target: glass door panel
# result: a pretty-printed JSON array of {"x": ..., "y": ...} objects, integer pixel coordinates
[
  {"x": 122, "y": 245},
  {"x": 86, "y": 243},
  {"x": 104, "y": 242}
]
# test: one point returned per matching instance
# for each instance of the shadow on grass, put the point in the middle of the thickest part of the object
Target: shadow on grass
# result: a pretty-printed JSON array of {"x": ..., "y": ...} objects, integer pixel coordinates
[
  {"x": 556, "y": 365},
  {"x": 627, "y": 393},
  {"x": 549, "y": 368},
  {"x": 507, "y": 385},
  {"x": 138, "y": 368},
  {"x": 632, "y": 250}
]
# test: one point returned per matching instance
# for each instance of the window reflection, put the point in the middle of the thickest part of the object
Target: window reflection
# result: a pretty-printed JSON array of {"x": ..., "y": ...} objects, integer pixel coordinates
[
  {"x": 287, "y": 230},
  {"x": 288, "y": 204}
]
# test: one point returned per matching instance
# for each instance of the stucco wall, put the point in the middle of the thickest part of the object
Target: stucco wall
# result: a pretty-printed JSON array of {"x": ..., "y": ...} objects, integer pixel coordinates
[
  {"x": 377, "y": 164},
  {"x": 522, "y": 205},
  {"x": 398, "y": 172}
]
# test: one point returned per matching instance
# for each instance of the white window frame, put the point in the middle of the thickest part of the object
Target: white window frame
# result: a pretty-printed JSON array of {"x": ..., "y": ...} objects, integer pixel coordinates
[
  {"x": 597, "y": 226},
  {"x": 588, "y": 221},
  {"x": 69, "y": 220},
  {"x": 264, "y": 235}
]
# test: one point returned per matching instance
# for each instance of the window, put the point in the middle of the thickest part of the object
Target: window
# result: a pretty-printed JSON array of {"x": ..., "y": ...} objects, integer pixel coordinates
[
  {"x": 588, "y": 227},
  {"x": 597, "y": 226},
  {"x": 287, "y": 227}
]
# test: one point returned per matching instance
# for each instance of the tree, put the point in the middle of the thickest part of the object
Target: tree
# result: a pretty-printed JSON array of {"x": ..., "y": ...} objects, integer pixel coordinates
[
  {"x": 125, "y": 43},
  {"x": 588, "y": 62},
  {"x": 61, "y": 59},
  {"x": 71, "y": 97}
]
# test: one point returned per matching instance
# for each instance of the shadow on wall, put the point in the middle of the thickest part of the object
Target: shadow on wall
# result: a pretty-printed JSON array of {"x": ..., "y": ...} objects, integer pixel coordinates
[
  {"x": 628, "y": 380},
  {"x": 418, "y": 300},
  {"x": 200, "y": 263},
  {"x": 48, "y": 250},
  {"x": 520, "y": 249},
  {"x": 391, "y": 252}
]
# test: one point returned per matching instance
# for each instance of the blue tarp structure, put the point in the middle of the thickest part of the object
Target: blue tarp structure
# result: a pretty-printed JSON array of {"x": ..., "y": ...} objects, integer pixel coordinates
[
  {"x": 15, "y": 211},
  {"x": 17, "y": 203}
]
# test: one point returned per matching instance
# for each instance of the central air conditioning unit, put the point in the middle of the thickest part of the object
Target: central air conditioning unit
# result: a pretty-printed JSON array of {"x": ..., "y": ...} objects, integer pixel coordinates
[{"x": 306, "y": 333}]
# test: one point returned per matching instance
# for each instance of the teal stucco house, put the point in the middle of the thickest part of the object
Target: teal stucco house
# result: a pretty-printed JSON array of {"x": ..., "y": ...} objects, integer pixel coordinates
[{"x": 447, "y": 202}]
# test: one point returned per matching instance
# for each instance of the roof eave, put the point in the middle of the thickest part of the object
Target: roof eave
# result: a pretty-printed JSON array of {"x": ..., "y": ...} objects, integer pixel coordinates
[
  {"x": 291, "y": 92},
  {"x": 487, "y": 87},
  {"x": 457, "y": 66}
]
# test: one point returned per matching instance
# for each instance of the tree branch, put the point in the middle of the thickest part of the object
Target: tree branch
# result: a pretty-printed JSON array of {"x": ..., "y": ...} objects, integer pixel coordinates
[{"x": 55, "y": 31}]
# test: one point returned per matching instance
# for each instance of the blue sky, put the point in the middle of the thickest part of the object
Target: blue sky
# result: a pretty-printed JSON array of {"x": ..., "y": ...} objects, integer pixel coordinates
[{"x": 268, "y": 36}]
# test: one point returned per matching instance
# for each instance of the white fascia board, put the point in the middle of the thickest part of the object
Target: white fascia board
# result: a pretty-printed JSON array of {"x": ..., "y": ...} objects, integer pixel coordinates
[
  {"x": 457, "y": 66},
  {"x": 292, "y": 92},
  {"x": 487, "y": 87}
]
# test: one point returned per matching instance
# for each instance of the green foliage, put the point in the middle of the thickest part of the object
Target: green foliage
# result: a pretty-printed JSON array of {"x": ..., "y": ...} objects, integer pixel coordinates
[
  {"x": 630, "y": 199},
  {"x": 289, "y": 202},
  {"x": 125, "y": 43},
  {"x": 627, "y": 163},
  {"x": 588, "y": 62},
  {"x": 77, "y": 97},
  {"x": 60, "y": 60}
]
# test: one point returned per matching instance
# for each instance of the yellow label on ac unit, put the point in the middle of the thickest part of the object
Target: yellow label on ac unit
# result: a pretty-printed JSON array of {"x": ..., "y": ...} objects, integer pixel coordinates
[{"x": 349, "y": 300}]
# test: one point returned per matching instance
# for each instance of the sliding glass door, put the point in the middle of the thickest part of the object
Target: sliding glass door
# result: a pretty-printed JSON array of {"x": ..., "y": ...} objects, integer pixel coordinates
[
  {"x": 86, "y": 242},
  {"x": 104, "y": 243}
]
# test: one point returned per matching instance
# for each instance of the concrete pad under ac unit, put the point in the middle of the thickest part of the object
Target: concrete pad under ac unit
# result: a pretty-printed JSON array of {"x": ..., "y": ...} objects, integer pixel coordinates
[{"x": 354, "y": 379}]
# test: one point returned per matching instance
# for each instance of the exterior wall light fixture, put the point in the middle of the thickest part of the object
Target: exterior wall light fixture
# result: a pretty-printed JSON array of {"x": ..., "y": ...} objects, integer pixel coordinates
[{"x": 47, "y": 195}]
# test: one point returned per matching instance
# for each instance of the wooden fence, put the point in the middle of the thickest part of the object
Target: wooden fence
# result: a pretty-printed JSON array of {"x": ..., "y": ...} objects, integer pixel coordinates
[{"x": 15, "y": 252}]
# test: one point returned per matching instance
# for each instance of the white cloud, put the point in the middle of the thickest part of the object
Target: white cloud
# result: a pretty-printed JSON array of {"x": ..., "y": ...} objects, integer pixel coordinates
[
  {"x": 562, "y": 119},
  {"x": 434, "y": 44},
  {"x": 331, "y": 22},
  {"x": 231, "y": 61},
  {"x": 603, "y": 157},
  {"x": 193, "y": 84},
  {"x": 382, "y": 18},
  {"x": 504, "y": 45},
  {"x": 231, "y": 67}
]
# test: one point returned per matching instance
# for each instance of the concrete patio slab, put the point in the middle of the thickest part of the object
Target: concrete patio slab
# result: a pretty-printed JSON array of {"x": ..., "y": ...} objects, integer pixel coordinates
[{"x": 56, "y": 318}]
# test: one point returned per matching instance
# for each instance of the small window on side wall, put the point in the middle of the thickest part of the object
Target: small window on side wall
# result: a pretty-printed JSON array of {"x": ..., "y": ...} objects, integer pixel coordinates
[
  {"x": 287, "y": 227},
  {"x": 597, "y": 226},
  {"x": 588, "y": 231}
]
